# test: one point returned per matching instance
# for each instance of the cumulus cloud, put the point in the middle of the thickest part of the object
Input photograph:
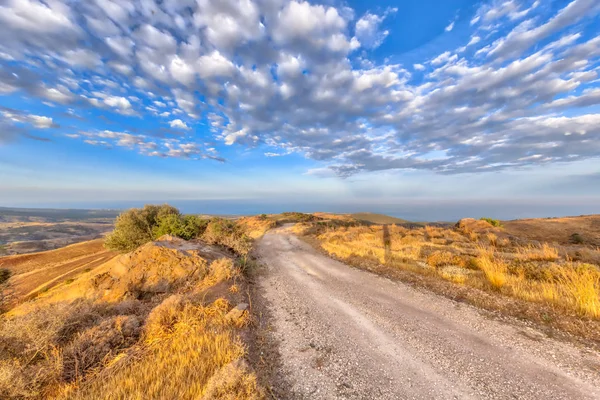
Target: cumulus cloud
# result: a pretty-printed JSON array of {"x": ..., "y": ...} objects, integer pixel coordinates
[
  {"x": 296, "y": 77},
  {"x": 179, "y": 124}
]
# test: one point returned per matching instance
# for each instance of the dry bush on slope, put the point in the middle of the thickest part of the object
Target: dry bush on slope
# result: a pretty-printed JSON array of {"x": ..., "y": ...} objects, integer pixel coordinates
[{"x": 70, "y": 349}]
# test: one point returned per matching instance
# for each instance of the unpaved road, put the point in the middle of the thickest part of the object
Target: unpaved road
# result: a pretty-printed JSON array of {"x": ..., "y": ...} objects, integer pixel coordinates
[{"x": 344, "y": 333}]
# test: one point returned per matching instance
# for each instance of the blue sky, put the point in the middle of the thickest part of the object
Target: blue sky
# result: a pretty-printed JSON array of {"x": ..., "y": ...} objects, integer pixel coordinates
[{"x": 426, "y": 109}]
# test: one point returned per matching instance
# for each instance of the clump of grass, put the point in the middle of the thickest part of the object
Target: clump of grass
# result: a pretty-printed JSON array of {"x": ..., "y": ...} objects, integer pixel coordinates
[
  {"x": 492, "y": 238},
  {"x": 543, "y": 252},
  {"x": 494, "y": 269},
  {"x": 491, "y": 221},
  {"x": 581, "y": 285}
]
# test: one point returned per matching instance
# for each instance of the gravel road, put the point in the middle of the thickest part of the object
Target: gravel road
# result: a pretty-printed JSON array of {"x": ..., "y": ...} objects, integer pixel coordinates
[{"x": 344, "y": 333}]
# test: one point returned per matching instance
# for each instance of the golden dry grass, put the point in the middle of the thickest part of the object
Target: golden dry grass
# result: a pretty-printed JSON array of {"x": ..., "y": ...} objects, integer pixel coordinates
[
  {"x": 534, "y": 272},
  {"x": 257, "y": 226},
  {"x": 103, "y": 343},
  {"x": 187, "y": 350}
]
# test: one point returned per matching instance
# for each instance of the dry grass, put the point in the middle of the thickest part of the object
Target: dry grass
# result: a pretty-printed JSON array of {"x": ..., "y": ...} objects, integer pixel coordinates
[
  {"x": 532, "y": 272},
  {"x": 190, "y": 352},
  {"x": 543, "y": 252},
  {"x": 256, "y": 227},
  {"x": 102, "y": 342},
  {"x": 494, "y": 269}
]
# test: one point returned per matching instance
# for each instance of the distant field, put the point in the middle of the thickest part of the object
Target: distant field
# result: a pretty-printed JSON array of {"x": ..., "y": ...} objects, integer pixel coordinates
[
  {"x": 9, "y": 214},
  {"x": 24, "y": 230},
  {"x": 378, "y": 218}
]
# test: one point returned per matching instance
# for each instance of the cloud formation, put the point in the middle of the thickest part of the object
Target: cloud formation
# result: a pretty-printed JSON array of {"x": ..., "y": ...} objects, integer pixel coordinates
[{"x": 298, "y": 77}]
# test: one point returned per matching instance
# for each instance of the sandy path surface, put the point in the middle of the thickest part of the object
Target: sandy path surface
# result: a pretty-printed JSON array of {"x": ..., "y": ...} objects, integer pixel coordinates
[{"x": 344, "y": 333}]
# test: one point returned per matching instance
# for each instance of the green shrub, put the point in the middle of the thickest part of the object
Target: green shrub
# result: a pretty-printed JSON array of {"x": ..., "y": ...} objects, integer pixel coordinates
[
  {"x": 577, "y": 238},
  {"x": 4, "y": 275},
  {"x": 137, "y": 226},
  {"x": 491, "y": 221}
]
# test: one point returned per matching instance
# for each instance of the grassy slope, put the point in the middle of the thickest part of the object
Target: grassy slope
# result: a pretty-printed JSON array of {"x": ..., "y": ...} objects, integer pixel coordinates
[
  {"x": 117, "y": 331},
  {"x": 557, "y": 230}
]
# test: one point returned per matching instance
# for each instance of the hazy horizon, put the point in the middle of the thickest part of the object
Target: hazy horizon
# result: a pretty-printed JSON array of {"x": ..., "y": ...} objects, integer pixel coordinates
[{"x": 415, "y": 211}]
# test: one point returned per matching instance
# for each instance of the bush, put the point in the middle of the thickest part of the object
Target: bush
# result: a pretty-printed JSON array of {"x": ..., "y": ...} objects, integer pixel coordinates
[
  {"x": 576, "y": 238},
  {"x": 493, "y": 222},
  {"x": 138, "y": 226},
  {"x": 226, "y": 233},
  {"x": 186, "y": 227}
]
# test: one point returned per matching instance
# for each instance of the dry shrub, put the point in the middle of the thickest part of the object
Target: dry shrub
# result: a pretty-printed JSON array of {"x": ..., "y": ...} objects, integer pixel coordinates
[
  {"x": 443, "y": 258},
  {"x": 433, "y": 232},
  {"x": 473, "y": 236},
  {"x": 492, "y": 238},
  {"x": 221, "y": 270},
  {"x": 163, "y": 317},
  {"x": 228, "y": 234},
  {"x": 99, "y": 343},
  {"x": 454, "y": 274},
  {"x": 31, "y": 360},
  {"x": 233, "y": 382}
]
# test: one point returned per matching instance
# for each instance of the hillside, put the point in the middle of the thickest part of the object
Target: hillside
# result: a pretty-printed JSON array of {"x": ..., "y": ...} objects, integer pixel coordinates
[
  {"x": 159, "y": 322},
  {"x": 378, "y": 218},
  {"x": 38, "y": 272},
  {"x": 584, "y": 229}
]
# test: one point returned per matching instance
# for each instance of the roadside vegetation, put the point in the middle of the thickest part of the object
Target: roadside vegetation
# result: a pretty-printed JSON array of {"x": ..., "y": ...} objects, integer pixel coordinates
[
  {"x": 474, "y": 254},
  {"x": 165, "y": 320}
]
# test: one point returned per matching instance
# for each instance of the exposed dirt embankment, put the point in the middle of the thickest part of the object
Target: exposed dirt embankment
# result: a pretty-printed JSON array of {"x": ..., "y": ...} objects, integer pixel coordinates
[{"x": 345, "y": 333}]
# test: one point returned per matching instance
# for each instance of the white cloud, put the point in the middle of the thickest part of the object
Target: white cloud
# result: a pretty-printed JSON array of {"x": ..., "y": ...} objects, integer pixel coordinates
[
  {"x": 37, "y": 16},
  {"x": 419, "y": 67},
  {"x": 449, "y": 27},
  {"x": 179, "y": 124},
  {"x": 41, "y": 122},
  {"x": 368, "y": 32}
]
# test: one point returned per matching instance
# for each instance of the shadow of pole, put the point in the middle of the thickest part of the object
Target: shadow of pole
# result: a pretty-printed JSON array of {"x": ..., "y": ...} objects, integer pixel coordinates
[{"x": 387, "y": 244}]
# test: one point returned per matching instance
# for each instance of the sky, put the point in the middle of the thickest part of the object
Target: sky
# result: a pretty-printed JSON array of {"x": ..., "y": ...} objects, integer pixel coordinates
[{"x": 424, "y": 109}]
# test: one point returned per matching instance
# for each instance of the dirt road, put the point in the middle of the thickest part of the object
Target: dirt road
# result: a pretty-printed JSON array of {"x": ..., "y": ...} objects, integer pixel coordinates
[{"x": 344, "y": 333}]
